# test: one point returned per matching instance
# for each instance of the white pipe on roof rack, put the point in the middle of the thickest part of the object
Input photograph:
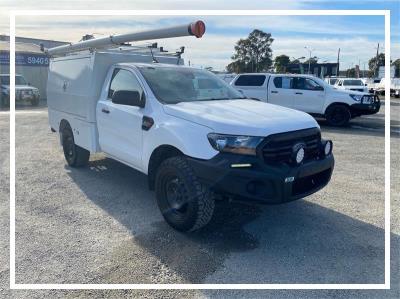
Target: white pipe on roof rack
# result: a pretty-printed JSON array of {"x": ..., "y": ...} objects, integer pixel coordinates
[{"x": 196, "y": 28}]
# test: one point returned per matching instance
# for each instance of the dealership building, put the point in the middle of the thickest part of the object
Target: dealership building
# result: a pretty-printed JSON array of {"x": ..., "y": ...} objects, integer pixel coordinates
[{"x": 30, "y": 61}]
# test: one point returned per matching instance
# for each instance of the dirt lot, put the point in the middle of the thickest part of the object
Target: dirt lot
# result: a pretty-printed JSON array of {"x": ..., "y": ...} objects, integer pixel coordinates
[{"x": 100, "y": 224}]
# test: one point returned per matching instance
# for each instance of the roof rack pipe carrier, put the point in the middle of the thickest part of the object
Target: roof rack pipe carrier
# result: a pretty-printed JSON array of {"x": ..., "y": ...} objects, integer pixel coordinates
[{"x": 196, "y": 29}]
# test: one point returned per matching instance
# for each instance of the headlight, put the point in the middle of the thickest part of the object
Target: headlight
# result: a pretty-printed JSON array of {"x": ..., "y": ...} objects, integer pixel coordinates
[
  {"x": 245, "y": 145},
  {"x": 356, "y": 98},
  {"x": 36, "y": 91}
]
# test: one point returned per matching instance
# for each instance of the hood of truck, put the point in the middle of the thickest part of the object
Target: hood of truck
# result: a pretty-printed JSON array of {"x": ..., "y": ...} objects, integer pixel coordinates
[
  {"x": 20, "y": 87},
  {"x": 25, "y": 87},
  {"x": 242, "y": 117},
  {"x": 346, "y": 92}
]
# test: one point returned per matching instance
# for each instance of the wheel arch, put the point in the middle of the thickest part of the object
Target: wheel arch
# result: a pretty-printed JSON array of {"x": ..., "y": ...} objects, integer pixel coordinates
[
  {"x": 158, "y": 155},
  {"x": 337, "y": 104}
]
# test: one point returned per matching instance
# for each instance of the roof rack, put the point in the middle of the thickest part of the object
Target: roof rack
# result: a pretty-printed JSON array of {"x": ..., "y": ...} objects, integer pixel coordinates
[{"x": 196, "y": 29}]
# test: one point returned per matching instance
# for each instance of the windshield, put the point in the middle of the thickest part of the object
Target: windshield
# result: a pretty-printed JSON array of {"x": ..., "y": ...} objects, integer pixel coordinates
[
  {"x": 19, "y": 80},
  {"x": 353, "y": 82},
  {"x": 173, "y": 85}
]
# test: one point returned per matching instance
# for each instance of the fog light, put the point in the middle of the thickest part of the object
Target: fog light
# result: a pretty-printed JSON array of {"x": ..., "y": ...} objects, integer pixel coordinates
[
  {"x": 328, "y": 147},
  {"x": 300, "y": 155}
]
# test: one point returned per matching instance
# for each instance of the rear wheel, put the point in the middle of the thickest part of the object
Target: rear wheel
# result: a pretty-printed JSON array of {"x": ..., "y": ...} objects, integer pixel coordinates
[
  {"x": 75, "y": 155},
  {"x": 185, "y": 203},
  {"x": 338, "y": 115}
]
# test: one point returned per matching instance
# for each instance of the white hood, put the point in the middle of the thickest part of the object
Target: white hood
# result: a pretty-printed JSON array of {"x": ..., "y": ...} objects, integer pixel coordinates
[
  {"x": 347, "y": 91},
  {"x": 242, "y": 117}
]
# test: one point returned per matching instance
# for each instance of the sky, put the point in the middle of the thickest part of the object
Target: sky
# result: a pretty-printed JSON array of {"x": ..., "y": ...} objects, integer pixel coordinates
[{"x": 356, "y": 36}]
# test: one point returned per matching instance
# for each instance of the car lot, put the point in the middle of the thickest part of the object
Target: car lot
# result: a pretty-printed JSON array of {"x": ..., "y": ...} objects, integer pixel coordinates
[{"x": 100, "y": 224}]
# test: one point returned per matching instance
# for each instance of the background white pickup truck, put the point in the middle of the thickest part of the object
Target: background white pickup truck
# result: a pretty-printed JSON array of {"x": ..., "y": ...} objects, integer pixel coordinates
[
  {"x": 309, "y": 94},
  {"x": 352, "y": 84}
]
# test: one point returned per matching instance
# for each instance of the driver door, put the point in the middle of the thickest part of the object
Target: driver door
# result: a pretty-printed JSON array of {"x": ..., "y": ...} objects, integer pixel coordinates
[
  {"x": 308, "y": 95},
  {"x": 120, "y": 126}
]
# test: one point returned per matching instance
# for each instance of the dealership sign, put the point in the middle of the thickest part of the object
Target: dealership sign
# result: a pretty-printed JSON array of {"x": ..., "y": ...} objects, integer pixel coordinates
[{"x": 26, "y": 59}]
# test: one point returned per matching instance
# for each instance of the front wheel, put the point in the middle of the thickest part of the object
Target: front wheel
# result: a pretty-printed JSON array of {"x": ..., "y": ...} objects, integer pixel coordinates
[
  {"x": 338, "y": 115},
  {"x": 75, "y": 155},
  {"x": 35, "y": 102},
  {"x": 185, "y": 203}
]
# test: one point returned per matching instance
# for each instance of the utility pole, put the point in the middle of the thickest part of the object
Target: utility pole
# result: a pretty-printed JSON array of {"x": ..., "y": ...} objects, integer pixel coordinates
[
  {"x": 309, "y": 59},
  {"x": 376, "y": 62},
  {"x": 338, "y": 54}
]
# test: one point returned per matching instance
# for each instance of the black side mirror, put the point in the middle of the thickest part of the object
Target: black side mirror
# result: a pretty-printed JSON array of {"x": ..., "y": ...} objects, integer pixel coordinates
[
  {"x": 29, "y": 83},
  {"x": 128, "y": 97}
]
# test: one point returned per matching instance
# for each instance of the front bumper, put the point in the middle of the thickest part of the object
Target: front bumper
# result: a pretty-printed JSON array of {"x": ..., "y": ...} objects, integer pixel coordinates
[
  {"x": 366, "y": 108},
  {"x": 21, "y": 97},
  {"x": 262, "y": 182}
]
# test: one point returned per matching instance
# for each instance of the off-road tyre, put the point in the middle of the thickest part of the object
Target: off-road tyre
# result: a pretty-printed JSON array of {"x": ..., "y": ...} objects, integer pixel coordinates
[
  {"x": 75, "y": 155},
  {"x": 35, "y": 102},
  {"x": 193, "y": 206},
  {"x": 338, "y": 115}
]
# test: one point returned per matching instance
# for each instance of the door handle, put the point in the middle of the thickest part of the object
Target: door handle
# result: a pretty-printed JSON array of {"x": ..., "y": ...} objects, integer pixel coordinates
[
  {"x": 299, "y": 93},
  {"x": 104, "y": 110},
  {"x": 274, "y": 91}
]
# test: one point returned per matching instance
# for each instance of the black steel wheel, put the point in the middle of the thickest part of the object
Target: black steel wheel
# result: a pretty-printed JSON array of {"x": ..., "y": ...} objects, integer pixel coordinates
[
  {"x": 75, "y": 155},
  {"x": 338, "y": 115},
  {"x": 184, "y": 202}
]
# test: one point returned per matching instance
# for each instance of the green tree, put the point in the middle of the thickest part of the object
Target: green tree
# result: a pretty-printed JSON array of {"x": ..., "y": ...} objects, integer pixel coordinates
[
  {"x": 374, "y": 63},
  {"x": 396, "y": 64},
  {"x": 281, "y": 62},
  {"x": 312, "y": 60},
  {"x": 252, "y": 54},
  {"x": 351, "y": 73}
]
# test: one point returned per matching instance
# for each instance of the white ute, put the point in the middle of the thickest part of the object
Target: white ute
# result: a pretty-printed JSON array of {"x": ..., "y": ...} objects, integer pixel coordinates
[
  {"x": 194, "y": 136},
  {"x": 308, "y": 94}
]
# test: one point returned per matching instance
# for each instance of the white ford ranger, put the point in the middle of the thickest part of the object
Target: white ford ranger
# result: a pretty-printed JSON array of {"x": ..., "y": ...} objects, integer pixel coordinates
[
  {"x": 309, "y": 94},
  {"x": 194, "y": 136}
]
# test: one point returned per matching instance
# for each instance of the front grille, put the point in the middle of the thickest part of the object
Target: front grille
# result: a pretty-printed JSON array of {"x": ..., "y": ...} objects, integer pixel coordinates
[{"x": 278, "y": 148}]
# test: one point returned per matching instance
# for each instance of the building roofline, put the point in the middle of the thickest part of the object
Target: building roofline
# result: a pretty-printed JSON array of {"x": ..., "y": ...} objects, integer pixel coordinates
[{"x": 43, "y": 39}]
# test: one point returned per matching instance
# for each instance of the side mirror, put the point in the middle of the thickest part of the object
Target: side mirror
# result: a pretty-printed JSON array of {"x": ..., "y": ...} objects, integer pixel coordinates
[
  {"x": 29, "y": 84},
  {"x": 366, "y": 84},
  {"x": 128, "y": 97}
]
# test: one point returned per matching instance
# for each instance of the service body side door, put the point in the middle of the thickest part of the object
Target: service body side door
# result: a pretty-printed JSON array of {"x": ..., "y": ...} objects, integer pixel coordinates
[
  {"x": 279, "y": 90},
  {"x": 308, "y": 95},
  {"x": 120, "y": 126},
  {"x": 252, "y": 86}
]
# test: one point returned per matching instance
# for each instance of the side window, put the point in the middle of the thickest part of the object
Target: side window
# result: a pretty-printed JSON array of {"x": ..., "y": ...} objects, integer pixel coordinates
[
  {"x": 123, "y": 80},
  {"x": 306, "y": 84},
  {"x": 250, "y": 80},
  {"x": 283, "y": 82}
]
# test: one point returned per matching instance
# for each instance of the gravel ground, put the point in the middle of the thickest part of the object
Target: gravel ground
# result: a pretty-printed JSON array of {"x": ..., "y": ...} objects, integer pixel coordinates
[{"x": 100, "y": 224}]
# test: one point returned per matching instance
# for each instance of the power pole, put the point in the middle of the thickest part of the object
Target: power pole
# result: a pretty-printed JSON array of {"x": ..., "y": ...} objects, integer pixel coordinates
[
  {"x": 376, "y": 62},
  {"x": 338, "y": 54}
]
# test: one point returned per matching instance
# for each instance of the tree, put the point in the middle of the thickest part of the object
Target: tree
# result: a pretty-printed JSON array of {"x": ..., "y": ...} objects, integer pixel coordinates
[
  {"x": 351, "y": 73},
  {"x": 311, "y": 60},
  {"x": 396, "y": 64},
  {"x": 374, "y": 64},
  {"x": 252, "y": 54},
  {"x": 281, "y": 62}
]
